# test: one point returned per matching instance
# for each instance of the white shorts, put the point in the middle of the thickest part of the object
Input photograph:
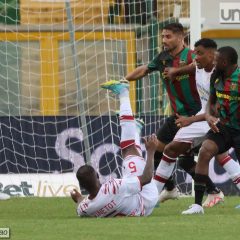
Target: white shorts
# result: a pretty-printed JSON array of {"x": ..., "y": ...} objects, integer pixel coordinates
[
  {"x": 134, "y": 166},
  {"x": 194, "y": 133}
]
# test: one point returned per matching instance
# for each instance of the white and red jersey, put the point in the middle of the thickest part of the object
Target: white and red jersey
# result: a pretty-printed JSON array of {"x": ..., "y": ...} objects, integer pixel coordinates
[
  {"x": 116, "y": 197},
  {"x": 123, "y": 197},
  {"x": 203, "y": 86},
  {"x": 196, "y": 132}
]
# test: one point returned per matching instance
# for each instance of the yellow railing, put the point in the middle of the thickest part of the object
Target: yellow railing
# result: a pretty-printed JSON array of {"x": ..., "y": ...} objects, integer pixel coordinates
[
  {"x": 221, "y": 33},
  {"x": 49, "y": 56}
]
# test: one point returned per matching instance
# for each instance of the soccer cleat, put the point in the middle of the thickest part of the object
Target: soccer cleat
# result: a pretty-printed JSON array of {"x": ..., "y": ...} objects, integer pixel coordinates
[
  {"x": 194, "y": 209},
  {"x": 166, "y": 195},
  {"x": 4, "y": 196},
  {"x": 213, "y": 199},
  {"x": 115, "y": 86}
]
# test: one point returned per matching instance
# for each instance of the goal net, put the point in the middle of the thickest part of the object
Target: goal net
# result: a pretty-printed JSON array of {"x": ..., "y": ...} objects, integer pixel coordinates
[{"x": 54, "y": 117}]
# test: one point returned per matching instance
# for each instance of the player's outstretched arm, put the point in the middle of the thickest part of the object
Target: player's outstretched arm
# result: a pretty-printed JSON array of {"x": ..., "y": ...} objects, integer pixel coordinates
[
  {"x": 138, "y": 73},
  {"x": 151, "y": 143},
  {"x": 172, "y": 72}
]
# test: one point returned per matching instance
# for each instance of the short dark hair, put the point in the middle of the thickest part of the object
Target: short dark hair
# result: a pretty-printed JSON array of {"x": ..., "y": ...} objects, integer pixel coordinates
[
  {"x": 174, "y": 27},
  {"x": 229, "y": 53},
  {"x": 86, "y": 176},
  {"x": 206, "y": 43}
]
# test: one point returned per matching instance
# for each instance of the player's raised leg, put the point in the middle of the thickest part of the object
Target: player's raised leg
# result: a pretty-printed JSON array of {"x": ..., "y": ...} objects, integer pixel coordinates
[{"x": 133, "y": 163}]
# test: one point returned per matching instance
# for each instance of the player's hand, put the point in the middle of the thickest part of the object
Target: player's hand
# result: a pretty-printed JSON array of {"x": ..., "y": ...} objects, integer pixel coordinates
[
  {"x": 215, "y": 109},
  {"x": 212, "y": 122},
  {"x": 182, "y": 121},
  {"x": 170, "y": 73},
  {"x": 76, "y": 196},
  {"x": 151, "y": 143}
]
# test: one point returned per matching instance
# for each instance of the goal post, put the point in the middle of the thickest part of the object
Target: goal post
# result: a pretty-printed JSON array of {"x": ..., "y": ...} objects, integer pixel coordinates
[
  {"x": 195, "y": 22},
  {"x": 195, "y": 34}
]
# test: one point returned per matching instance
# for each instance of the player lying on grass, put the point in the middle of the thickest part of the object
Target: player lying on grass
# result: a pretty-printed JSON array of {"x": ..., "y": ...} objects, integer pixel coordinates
[
  {"x": 225, "y": 130},
  {"x": 133, "y": 195}
]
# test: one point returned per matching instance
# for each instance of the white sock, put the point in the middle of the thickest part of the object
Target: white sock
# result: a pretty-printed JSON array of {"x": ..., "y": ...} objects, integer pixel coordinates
[
  {"x": 127, "y": 121},
  {"x": 138, "y": 139},
  {"x": 125, "y": 105},
  {"x": 232, "y": 168},
  {"x": 128, "y": 132},
  {"x": 164, "y": 171}
]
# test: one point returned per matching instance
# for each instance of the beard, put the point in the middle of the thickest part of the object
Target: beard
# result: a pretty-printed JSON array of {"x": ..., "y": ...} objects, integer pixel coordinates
[
  {"x": 219, "y": 72},
  {"x": 169, "y": 49}
]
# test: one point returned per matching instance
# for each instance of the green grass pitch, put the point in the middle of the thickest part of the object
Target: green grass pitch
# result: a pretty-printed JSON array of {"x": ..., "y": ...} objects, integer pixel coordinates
[{"x": 55, "y": 218}]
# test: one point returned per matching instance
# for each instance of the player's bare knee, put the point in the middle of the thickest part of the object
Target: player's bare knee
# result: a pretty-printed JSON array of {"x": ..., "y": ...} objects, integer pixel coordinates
[
  {"x": 208, "y": 150},
  {"x": 174, "y": 149},
  {"x": 171, "y": 150}
]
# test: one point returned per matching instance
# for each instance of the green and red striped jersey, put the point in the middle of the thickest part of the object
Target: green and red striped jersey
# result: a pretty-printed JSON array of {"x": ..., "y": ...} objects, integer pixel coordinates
[
  {"x": 182, "y": 91},
  {"x": 227, "y": 92}
]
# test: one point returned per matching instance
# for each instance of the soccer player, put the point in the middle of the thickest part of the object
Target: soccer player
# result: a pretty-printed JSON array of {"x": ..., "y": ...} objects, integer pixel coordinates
[
  {"x": 182, "y": 91},
  {"x": 133, "y": 195},
  {"x": 225, "y": 129},
  {"x": 194, "y": 128}
]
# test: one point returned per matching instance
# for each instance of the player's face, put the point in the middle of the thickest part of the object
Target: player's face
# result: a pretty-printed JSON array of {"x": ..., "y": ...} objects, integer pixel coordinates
[
  {"x": 171, "y": 40},
  {"x": 204, "y": 56},
  {"x": 219, "y": 62}
]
